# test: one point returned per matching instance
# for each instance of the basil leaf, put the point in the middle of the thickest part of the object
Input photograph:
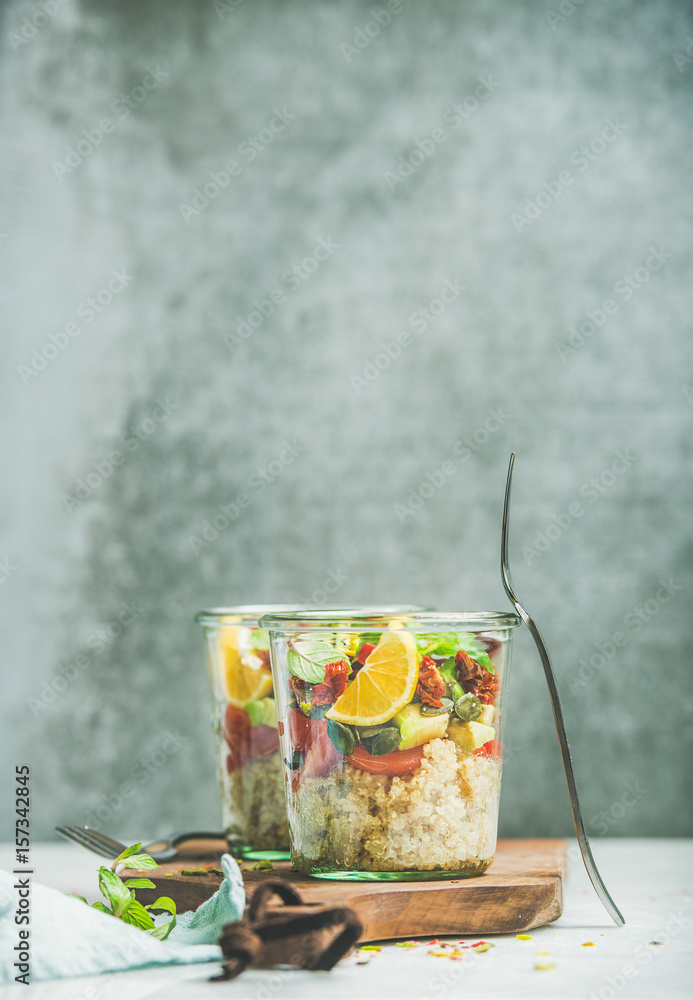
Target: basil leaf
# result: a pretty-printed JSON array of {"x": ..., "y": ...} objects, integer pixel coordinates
[
  {"x": 449, "y": 674},
  {"x": 373, "y": 637},
  {"x": 442, "y": 644},
  {"x": 139, "y": 883},
  {"x": 477, "y": 652},
  {"x": 308, "y": 658},
  {"x": 448, "y": 643}
]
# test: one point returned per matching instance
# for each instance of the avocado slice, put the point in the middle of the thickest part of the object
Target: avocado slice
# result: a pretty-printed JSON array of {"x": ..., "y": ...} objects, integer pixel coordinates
[
  {"x": 416, "y": 728},
  {"x": 470, "y": 736},
  {"x": 262, "y": 712}
]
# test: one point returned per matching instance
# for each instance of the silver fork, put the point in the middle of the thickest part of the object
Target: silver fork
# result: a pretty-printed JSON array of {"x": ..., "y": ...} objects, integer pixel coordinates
[
  {"x": 105, "y": 846},
  {"x": 580, "y": 832}
]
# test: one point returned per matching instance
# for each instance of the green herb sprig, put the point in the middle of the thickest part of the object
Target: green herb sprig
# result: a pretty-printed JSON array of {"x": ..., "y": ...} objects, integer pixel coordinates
[{"x": 120, "y": 893}]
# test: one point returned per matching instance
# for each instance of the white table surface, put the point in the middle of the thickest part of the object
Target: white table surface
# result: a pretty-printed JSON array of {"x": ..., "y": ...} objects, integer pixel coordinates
[{"x": 651, "y": 881}]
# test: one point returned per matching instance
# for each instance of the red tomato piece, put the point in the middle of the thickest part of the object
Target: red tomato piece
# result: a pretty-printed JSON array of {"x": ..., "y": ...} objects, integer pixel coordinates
[
  {"x": 364, "y": 652},
  {"x": 490, "y": 749},
  {"x": 245, "y": 740},
  {"x": 321, "y": 756},
  {"x": 300, "y": 729},
  {"x": 397, "y": 762},
  {"x": 263, "y": 741},
  {"x": 235, "y": 727}
]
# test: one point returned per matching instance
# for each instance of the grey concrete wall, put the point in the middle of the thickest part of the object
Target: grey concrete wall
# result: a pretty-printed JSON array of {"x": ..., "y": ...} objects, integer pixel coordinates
[{"x": 543, "y": 197}]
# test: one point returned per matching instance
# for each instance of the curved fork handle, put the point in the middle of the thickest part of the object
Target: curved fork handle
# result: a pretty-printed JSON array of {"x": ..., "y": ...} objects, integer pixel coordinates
[{"x": 580, "y": 831}]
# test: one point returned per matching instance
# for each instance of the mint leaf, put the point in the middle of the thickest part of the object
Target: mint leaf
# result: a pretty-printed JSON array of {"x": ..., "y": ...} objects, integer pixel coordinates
[
  {"x": 137, "y": 916},
  {"x": 308, "y": 658},
  {"x": 102, "y": 908},
  {"x": 139, "y": 883},
  {"x": 139, "y": 862},
  {"x": 112, "y": 887},
  {"x": 126, "y": 853},
  {"x": 163, "y": 930},
  {"x": 163, "y": 903}
]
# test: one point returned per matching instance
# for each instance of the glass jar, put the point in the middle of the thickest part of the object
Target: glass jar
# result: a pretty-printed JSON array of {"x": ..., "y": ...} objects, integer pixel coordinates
[
  {"x": 391, "y": 731},
  {"x": 244, "y": 718}
]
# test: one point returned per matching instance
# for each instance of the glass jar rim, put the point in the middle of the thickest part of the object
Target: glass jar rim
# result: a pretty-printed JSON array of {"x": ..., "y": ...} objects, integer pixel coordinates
[
  {"x": 362, "y": 620},
  {"x": 215, "y": 616}
]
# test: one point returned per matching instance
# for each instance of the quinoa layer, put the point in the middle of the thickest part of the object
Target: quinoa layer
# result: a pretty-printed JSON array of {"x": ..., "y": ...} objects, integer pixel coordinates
[
  {"x": 254, "y": 804},
  {"x": 444, "y": 816}
]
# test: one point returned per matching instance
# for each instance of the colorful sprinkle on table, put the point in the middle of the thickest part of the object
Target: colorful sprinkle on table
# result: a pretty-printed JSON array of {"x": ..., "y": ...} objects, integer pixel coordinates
[
  {"x": 524, "y": 937},
  {"x": 588, "y": 944},
  {"x": 406, "y": 944},
  {"x": 370, "y": 947},
  {"x": 446, "y": 951},
  {"x": 544, "y": 966}
]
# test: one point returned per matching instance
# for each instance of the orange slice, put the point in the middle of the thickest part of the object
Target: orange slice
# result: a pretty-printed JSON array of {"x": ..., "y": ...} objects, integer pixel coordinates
[
  {"x": 384, "y": 684},
  {"x": 243, "y": 681}
]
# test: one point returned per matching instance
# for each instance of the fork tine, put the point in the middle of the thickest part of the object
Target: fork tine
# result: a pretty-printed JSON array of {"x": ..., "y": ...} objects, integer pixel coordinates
[
  {"x": 77, "y": 836},
  {"x": 100, "y": 840}
]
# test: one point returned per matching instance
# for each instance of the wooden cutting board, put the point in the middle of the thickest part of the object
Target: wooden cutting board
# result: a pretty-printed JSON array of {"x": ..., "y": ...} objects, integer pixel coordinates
[{"x": 522, "y": 889}]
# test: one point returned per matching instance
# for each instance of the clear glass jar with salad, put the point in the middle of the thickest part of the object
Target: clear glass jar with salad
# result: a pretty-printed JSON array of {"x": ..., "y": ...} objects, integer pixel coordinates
[
  {"x": 391, "y": 736},
  {"x": 244, "y": 717}
]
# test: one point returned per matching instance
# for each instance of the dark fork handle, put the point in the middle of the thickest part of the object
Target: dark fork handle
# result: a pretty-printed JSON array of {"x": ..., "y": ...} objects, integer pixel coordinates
[
  {"x": 169, "y": 846},
  {"x": 180, "y": 838}
]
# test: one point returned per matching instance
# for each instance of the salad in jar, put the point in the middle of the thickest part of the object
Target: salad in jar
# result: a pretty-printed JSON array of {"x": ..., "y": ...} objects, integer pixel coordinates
[
  {"x": 391, "y": 741},
  {"x": 244, "y": 719}
]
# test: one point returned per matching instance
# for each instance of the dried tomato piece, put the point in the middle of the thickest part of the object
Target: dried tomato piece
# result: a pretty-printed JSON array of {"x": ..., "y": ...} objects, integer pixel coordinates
[
  {"x": 431, "y": 686},
  {"x": 298, "y": 687},
  {"x": 475, "y": 679},
  {"x": 364, "y": 652},
  {"x": 333, "y": 685}
]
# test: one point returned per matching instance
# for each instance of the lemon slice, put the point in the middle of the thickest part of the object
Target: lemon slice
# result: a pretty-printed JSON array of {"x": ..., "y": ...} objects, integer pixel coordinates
[
  {"x": 244, "y": 681},
  {"x": 384, "y": 684}
]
